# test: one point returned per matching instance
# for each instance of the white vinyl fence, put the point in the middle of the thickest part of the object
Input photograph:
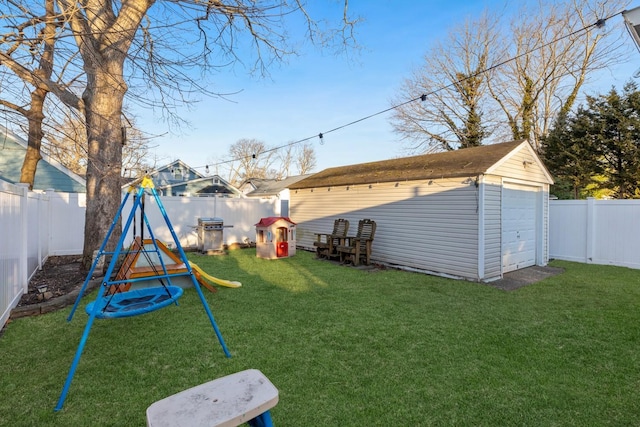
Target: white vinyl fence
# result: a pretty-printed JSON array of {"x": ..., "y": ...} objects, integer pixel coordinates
[
  {"x": 34, "y": 226},
  {"x": 595, "y": 231}
]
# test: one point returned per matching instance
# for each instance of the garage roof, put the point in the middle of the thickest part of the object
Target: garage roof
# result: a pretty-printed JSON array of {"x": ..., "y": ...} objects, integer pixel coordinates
[{"x": 448, "y": 164}]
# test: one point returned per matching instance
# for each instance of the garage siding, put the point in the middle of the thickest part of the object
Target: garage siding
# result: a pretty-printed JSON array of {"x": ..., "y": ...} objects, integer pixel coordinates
[
  {"x": 430, "y": 225},
  {"x": 492, "y": 228}
]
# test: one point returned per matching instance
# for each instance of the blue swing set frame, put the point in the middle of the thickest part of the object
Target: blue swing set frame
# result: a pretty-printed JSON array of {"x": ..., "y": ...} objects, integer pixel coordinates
[{"x": 135, "y": 302}]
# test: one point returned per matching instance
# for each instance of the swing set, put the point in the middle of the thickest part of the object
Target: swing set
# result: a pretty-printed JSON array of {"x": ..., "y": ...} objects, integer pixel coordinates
[{"x": 114, "y": 300}]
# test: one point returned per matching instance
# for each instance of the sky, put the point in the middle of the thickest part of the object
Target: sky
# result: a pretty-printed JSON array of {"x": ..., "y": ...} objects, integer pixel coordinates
[{"x": 316, "y": 92}]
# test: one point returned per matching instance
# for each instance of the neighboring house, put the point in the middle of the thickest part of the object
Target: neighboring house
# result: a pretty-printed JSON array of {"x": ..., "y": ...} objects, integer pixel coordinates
[
  {"x": 49, "y": 173},
  {"x": 474, "y": 213},
  {"x": 179, "y": 179},
  {"x": 271, "y": 189}
]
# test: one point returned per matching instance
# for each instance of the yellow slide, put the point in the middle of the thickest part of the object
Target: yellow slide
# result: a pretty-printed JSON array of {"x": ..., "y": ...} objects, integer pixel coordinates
[{"x": 221, "y": 282}]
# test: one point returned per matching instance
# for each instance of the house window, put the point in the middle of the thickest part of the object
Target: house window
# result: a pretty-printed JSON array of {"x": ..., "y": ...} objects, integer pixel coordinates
[{"x": 177, "y": 173}]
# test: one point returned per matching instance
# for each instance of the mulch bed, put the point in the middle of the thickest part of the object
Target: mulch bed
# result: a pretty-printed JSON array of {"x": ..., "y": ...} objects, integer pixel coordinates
[{"x": 60, "y": 275}]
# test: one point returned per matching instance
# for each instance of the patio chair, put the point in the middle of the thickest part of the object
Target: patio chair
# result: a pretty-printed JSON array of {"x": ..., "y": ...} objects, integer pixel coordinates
[
  {"x": 358, "y": 247},
  {"x": 326, "y": 244}
]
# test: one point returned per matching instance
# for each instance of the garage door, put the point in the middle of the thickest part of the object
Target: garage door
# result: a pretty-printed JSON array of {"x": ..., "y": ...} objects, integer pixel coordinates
[{"x": 519, "y": 213}]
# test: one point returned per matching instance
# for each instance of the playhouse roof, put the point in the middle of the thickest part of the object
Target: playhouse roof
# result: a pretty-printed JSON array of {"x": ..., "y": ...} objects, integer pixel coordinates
[{"x": 270, "y": 220}]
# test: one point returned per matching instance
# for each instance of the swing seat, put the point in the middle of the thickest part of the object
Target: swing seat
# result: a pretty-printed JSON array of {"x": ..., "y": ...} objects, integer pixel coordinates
[{"x": 133, "y": 303}]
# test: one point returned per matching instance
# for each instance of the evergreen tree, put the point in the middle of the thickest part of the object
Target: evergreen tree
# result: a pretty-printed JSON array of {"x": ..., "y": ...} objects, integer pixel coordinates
[
  {"x": 598, "y": 147},
  {"x": 570, "y": 154},
  {"x": 616, "y": 122}
]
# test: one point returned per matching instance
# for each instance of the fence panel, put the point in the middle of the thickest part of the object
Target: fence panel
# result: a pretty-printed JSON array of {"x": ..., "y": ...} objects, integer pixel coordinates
[
  {"x": 239, "y": 217},
  {"x": 13, "y": 280},
  {"x": 66, "y": 222},
  {"x": 37, "y": 231},
  {"x": 595, "y": 231}
]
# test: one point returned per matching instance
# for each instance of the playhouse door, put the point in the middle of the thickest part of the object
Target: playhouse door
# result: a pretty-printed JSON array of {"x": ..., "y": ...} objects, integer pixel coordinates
[{"x": 282, "y": 246}]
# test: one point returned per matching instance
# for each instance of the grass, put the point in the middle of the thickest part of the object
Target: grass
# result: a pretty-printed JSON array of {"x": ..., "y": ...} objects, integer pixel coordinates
[{"x": 346, "y": 347}]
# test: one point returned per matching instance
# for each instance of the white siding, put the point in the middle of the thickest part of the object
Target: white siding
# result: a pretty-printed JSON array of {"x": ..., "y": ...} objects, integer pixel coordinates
[
  {"x": 430, "y": 225},
  {"x": 492, "y": 228},
  {"x": 521, "y": 165}
]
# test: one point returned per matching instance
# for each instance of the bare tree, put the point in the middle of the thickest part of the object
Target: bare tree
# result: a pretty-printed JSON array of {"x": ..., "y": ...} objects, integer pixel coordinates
[
  {"x": 555, "y": 49},
  {"x": 252, "y": 159},
  {"x": 67, "y": 144},
  {"x": 140, "y": 44},
  {"x": 305, "y": 159},
  {"x": 29, "y": 36},
  {"x": 490, "y": 79},
  {"x": 453, "y": 87}
]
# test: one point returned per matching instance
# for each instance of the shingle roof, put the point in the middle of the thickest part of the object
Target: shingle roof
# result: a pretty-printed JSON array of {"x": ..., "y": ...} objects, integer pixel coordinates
[
  {"x": 271, "y": 187},
  {"x": 449, "y": 164}
]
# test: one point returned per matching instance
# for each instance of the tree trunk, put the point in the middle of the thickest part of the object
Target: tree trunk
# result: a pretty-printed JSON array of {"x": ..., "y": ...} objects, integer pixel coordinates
[
  {"x": 35, "y": 116},
  {"x": 103, "y": 103}
]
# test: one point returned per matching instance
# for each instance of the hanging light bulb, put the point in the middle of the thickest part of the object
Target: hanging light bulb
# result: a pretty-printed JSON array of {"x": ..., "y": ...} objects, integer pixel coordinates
[
  {"x": 206, "y": 169},
  {"x": 321, "y": 138}
]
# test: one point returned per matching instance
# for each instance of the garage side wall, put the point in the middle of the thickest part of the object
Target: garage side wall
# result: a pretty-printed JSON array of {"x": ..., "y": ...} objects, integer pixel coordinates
[{"x": 430, "y": 226}]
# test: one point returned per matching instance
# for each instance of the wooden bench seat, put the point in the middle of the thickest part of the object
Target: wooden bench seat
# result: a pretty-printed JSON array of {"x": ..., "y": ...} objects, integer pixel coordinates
[
  {"x": 326, "y": 244},
  {"x": 358, "y": 248}
]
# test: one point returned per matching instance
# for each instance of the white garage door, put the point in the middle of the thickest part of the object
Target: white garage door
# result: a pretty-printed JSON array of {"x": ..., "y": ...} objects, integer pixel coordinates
[{"x": 519, "y": 236}]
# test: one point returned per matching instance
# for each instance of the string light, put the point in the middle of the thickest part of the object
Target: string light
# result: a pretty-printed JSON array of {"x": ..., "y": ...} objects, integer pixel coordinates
[{"x": 423, "y": 97}]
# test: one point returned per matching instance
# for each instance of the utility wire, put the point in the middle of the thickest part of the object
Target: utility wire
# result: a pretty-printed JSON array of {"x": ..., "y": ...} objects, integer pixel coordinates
[{"x": 598, "y": 24}]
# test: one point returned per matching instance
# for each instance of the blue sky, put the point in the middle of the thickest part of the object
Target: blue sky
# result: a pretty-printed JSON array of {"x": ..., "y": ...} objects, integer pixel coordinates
[{"x": 317, "y": 92}]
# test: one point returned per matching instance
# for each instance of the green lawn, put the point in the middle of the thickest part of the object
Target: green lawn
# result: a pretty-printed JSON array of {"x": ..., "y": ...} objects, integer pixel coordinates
[{"x": 347, "y": 347}]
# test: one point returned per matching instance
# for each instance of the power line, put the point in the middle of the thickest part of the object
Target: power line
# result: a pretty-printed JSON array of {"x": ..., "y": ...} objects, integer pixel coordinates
[{"x": 598, "y": 24}]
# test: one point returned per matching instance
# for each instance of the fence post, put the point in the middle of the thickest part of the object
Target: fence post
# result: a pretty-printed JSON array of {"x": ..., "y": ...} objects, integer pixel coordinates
[
  {"x": 23, "y": 256},
  {"x": 591, "y": 223}
]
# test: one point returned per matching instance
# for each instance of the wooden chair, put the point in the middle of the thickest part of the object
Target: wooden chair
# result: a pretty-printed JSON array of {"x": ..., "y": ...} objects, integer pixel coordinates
[
  {"x": 359, "y": 246},
  {"x": 326, "y": 244}
]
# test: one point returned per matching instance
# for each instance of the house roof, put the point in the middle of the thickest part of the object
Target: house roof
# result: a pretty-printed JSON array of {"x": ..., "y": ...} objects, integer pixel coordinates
[
  {"x": 50, "y": 174},
  {"x": 271, "y": 187},
  {"x": 213, "y": 184},
  {"x": 164, "y": 176},
  {"x": 448, "y": 164}
]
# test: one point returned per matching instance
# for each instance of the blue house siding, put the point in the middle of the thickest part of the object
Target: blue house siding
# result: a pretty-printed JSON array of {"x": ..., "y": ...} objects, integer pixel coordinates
[{"x": 49, "y": 174}]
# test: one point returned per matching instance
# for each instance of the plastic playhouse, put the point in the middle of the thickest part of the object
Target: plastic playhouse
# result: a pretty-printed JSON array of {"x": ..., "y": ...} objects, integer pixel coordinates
[{"x": 275, "y": 237}]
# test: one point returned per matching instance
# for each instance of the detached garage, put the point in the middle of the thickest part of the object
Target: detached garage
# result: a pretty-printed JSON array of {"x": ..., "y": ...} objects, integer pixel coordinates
[{"x": 475, "y": 213}]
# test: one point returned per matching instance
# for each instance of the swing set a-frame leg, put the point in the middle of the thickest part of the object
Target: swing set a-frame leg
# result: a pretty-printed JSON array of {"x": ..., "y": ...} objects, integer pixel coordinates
[{"x": 146, "y": 183}]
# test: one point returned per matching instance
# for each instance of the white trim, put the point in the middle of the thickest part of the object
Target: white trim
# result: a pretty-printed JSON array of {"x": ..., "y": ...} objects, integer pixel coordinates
[{"x": 481, "y": 228}]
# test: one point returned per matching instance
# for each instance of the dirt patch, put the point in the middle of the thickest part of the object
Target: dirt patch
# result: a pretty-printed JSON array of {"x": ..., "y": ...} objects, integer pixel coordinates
[{"x": 59, "y": 276}]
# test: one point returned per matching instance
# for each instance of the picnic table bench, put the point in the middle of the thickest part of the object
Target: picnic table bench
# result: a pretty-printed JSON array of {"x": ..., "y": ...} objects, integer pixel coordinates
[{"x": 243, "y": 397}]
